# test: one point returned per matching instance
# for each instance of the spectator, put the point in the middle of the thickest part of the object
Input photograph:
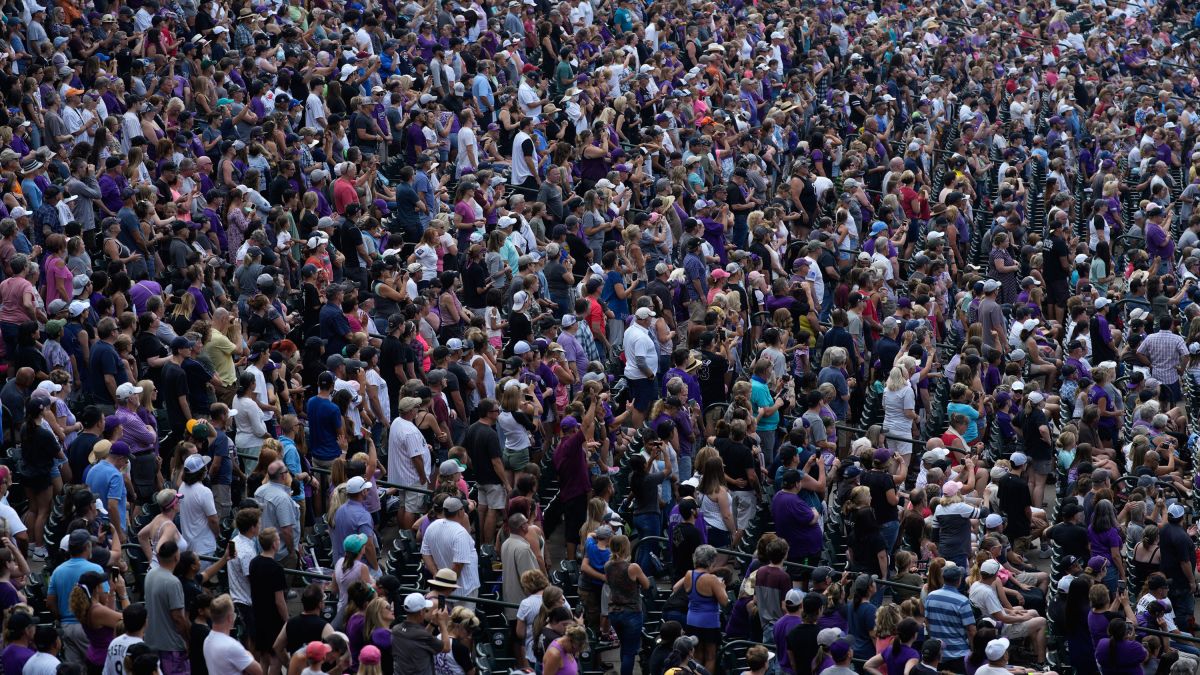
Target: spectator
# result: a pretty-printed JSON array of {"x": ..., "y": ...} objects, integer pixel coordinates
[{"x": 223, "y": 653}]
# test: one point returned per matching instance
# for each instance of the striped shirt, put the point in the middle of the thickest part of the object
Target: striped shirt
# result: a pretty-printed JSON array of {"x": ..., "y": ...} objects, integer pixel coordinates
[{"x": 948, "y": 613}]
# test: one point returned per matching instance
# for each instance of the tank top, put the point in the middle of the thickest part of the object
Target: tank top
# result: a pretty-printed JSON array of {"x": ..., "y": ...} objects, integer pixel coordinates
[
  {"x": 98, "y": 640},
  {"x": 516, "y": 436},
  {"x": 569, "y": 666},
  {"x": 711, "y": 510},
  {"x": 183, "y": 545},
  {"x": 489, "y": 379},
  {"x": 623, "y": 591},
  {"x": 344, "y": 577},
  {"x": 1143, "y": 569},
  {"x": 384, "y": 306},
  {"x": 703, "y": 610}
]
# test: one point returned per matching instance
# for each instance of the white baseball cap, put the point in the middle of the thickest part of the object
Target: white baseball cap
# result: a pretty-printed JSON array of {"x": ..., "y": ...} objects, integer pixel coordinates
[
  {"x": 996, "y": 649},
  {"x": 415, "y": 602}
]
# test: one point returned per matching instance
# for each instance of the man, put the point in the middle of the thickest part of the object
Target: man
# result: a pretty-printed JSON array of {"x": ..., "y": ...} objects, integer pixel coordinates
[
  {"x": 356, "y": 520},
  {"x": 168, "y": 626},
  {"x": 991, "y": 317},
  {"x": 334, "y": 327},
  {"x": 1016, "y": 503},
  {"x": 1057, "y": 268},
  {"x": 106, "y": 480},
  {"x": 1179, "y": 565},
  {"x": 222, "y": 652},
  {"x": 268, "y": 593},
  {"x": 641, "y": 365},
  {"x": 84, "y": 187},
  {"x": 448, "y": 544},
  {"x": 949, "y": 618},
  {"x": 44, "y": 662},
  {"x": 997, "y": 657},
  {"x": 221, "y": 351},
  {"x": 245, "y": 547},
  {"x": 279, "y": 510},
  {"x": 324, "y": 423},
  {"x": 134, "y": 618},
  {"x": 175, "y": 390},
  {"x": 1166, "y": 353},
  {"x": 1017, "y": 622},
  {"x": 142, "y": 440},
  {"x": 524, "y": 157},
  {"x": 517, "y": 557},
  {"x": 409, "y": 461},
  {"x": 105, "y": 369},
  {"x": 63, "y": 580},
  {"x": 413, "y": 645},
  {"x": 483, "y": 447},
  {"x": 345, "y": 192},
  {"x": 85, "y": 440},
  {"x": 801, "y": 642},
  {"x": 223, "y": 466},
  {"x": 797, "y": 522}
]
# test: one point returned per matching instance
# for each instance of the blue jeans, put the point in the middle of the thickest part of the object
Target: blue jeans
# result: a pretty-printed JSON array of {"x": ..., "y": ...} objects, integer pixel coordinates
[
  {"x": 741, "y": 231},
  {"x": 685, "y": 467},
  {"x": 767, "y": 440},
  {"x": 628, "y": 626},
  {"x": 890, "y": 531},
  {"x": 647, "y": 525},
  {"x": 1184, "y": 606}
]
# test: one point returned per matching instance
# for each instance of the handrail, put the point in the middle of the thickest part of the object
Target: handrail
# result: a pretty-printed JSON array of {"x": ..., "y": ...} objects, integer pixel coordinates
[
  {"x": 787, "y": 563},
  {"x": 861, "y": 430},
  {"x": 298, "y": 573},
  {"x": 380, "y": 483}
]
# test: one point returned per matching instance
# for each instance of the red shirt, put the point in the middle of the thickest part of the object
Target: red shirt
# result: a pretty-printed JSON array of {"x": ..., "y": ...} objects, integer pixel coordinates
[{"x": 344, "y": 194}]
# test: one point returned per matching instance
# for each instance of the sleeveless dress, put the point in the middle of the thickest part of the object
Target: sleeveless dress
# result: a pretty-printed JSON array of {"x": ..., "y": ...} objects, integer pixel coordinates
[{"x": 569, "y": 665}]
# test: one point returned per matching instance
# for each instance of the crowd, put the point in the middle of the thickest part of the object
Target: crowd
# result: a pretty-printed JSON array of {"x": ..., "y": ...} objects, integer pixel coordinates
[{"x": 574, "y": 335}]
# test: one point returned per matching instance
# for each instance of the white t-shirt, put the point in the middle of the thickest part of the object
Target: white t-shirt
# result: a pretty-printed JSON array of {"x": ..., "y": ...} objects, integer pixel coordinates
[
  {"x": 520, "y": 159},
  {"x": 528, "y": 96},
  {"x": 11, "y": 519},
  {"x": 194, "y": 512},
  {"x": 427, "y": 256},
  {"x": 467, "y": 143},
  {"x": 639, "y": 343},
  {"x": 41, "y": 663},
  {"x": 404, "y": 443},
  {"x": 448, "y": 543},
  {"x": 114, "y": 663},
  {"x": 225, "y": 655},
  {"x": 376, "y": 380}
]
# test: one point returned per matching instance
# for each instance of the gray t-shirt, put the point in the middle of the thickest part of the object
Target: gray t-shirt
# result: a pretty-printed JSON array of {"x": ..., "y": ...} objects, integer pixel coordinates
[
  {"x": 992, "y": 319},
  {"x": 163, "y": 593}
]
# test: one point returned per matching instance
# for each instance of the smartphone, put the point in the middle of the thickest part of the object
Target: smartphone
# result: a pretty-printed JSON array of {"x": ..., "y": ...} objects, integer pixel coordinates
[
  {"x": 441, "y": 602},
  {"x": 1120, "y": 586}
]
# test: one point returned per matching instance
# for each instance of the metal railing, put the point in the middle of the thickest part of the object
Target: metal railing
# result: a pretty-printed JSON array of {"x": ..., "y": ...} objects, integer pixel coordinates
[{"x": 381, "y": 483}]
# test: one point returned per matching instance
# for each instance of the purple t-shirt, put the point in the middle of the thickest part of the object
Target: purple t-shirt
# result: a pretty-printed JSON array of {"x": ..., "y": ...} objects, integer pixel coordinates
[
  {"x": 794, "y": 522},
  {"x": 14, "y": 657},
  {"x": 8, "y": 596},
  {"x": 1123, "y": 659},
  {"x": 782, "y": 627},
  {"x": 201, "y": 303},
  {"x": 1102, "y": 543}
]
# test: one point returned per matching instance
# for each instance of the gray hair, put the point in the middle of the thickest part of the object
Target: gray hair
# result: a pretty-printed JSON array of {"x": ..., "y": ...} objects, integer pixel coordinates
[
  {"x": 704, "y": 556},
  {"x": 1160, "y": 421},
  {"x": 18, "y": 263}
]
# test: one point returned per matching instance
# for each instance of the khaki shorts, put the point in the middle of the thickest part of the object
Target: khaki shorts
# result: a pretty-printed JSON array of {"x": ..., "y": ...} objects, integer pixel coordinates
[
  {"x": 491, "y": 496},
  {"x": 1017, "y": 630},
  {"x": 744, "y": 505},
  {"x": 414, "y": 502}
]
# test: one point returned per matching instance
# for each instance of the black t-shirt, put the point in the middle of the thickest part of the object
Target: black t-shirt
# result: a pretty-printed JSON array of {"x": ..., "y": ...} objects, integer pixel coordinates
[
  {"x": 349, "y": 239},
  {"x": 77, "y": 454},
  {"x": 197, "y": 634},
  {"x": 29, "y": 356},
  {"x": 174, "y": 385},
  {"x": 1176, "y": 547},
  {"x": 146, "y": 346},
  {"x": 1014, "y": 499},
  {"x": 483, "y": 445},
  {"x": 1072, "y": 539},
  {"x": 1035, "y": 446},
  {"x": 711, "y": 376},
  {"x": 1052, "y": 267},
  {"x": 266, "y": 579},
  {"x": 390, "y": 356},
  {"x": 802, "y": 647},
  {"x": 580, "y": 252},
  {"x": 685, "y": 539},
  {"x": 302, "y": 630},
  {"x": 475, "y": 277},
  {"x": 737, "y": 456},
  {"x": 880, "y": 482},
  {"x": 519, "y": 328}
]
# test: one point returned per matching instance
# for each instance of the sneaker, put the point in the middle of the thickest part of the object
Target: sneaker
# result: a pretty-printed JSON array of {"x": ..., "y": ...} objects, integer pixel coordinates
[
  {"x": 39, "y": 552},
  {"x": 1045, "y": 553}
]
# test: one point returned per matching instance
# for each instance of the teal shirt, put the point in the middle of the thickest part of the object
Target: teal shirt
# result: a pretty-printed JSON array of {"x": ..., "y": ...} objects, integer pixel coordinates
[
  {"x": 972, "y": 418},
  {"x": 760, "y": 397}
]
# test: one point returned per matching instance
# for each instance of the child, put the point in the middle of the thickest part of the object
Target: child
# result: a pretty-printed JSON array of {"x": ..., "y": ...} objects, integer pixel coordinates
[
  {"x": 495, "y": 322},
  {"x": 800, "y": 363},
  {"x": 316, "y": 651},
  {"x": 906, "y": 573},
  {"x": 757, "y": 658}
]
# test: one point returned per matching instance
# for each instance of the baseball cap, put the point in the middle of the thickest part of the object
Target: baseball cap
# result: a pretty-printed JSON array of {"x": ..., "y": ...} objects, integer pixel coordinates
[
  {"x": 353, "y": 543},
  {"x": 127, "y": 389},
  {"x": 522, "y": 347},
  {"x": 822, "y": 574},
  {"x": 193, "y": 463},
  {"x": 839, "y": 650},
  {"x": 356, "y": 485},
  {"x": 993, "y": 521},
  {"x": 317, "y": 651},
  {"x": 415, "y": 602},
  {"x": 645, "y": 313},
  {"x": 1102, "y": 302},
  {"x": 449, "y": 468},
  {"x": 996, "y": 649},
  {"x": 1097, "y": 563},
  {"x": 951, "y": 488},
  {"x": 794, "y": 597},
  {"x": 990, "y": 567},
  {"x": 1176, "y": 511},
  {"x": 452, "y": 505},
  {"x": 1019, "y": 458}
]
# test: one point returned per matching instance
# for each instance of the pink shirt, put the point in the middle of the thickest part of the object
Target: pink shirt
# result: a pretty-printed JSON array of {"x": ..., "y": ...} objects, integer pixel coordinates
[
  {"x": 12, "y": 293},
  {"x": 56, "y": 270}
]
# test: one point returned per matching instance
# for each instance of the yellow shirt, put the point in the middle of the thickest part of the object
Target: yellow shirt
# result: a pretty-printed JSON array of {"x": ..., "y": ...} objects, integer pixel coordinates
[{"x": 220, "y": 352}]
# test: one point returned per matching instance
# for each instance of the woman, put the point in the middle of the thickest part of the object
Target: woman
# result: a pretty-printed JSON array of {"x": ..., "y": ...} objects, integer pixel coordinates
[
  {"x": 518, "y": 410},
  {"x": 1120, "y": 653},
  {"x": 89, "y": 603},
  {"x": 349, "y": 569},
  {"x": 561, "y": 654},
  {"x": 18, "y": 303},
  {"x": 537, "y": 592},
  {"x": 626, "y": 581},
  {"x": 1147, "y": 558},
  {"x": 860, "y": 616},
  {"x": 251, "y": 422},
  {"x": 162, "y": 528},
  {"x": 58, "y": 276},
  {"x": 899, "y": 658},
  {"x": 645, "y": 487},
  {"x": 460, "y": 660},
  {"x": 899, "y": 413},
  {"x": 1105, "y": 541},
  {"x": 706, "y": 596},
  {"x": 1080, "y": 647},
  {"x": 868, "y": 549},
  {"x": 13, "y": 567},
  {"x": 39, "y": 448},
  {"x": 1004, "y": 268},
  {"x": 716, "y": 504}
]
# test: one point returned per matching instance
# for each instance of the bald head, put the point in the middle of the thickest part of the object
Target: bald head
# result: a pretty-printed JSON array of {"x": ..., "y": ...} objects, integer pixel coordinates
[
  {"x": 277, "y": 470},
  {"x": 25, "y": 377}
]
